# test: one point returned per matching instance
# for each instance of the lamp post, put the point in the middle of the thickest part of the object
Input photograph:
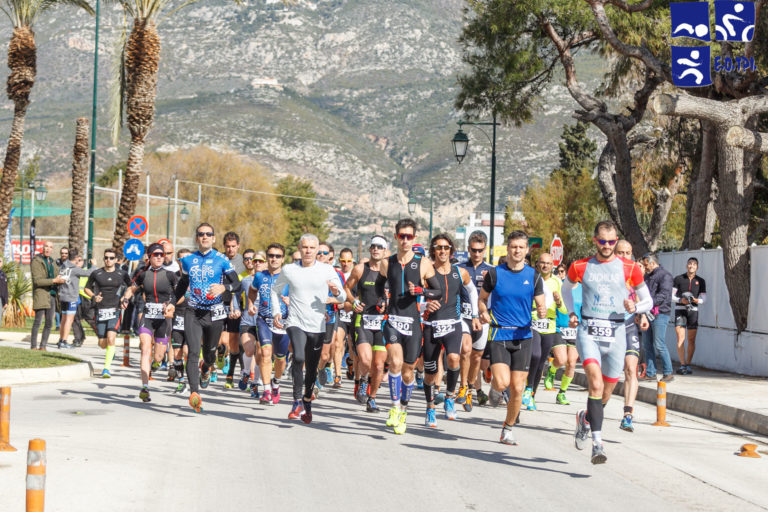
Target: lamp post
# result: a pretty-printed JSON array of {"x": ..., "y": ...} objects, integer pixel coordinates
[
  {"x": 184, "y": 214},
  {"x": 92, "y": 176},
  {"x": 39, "y": 192},
  {"x": 412, "y": 202},
  {"x": 461, "y": 145}
]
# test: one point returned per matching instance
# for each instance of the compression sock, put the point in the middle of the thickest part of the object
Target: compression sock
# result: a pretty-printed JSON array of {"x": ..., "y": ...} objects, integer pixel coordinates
[
  {"x": 565, "y": 382},
  {"x": 552, "y": 371},
  {"x": 395, "y": 381},
  {"x": 232, "y": 362},
  {"x": 595, "y": 413},
  {"x": 428, "y": 394},
  {"x": 451, "y": 379},
  {"x": 627, "y": 410},
  {"x": 406, "y": 391},
  {"x": 246, "y": 363},
  {"x": 108, "y": 356}
]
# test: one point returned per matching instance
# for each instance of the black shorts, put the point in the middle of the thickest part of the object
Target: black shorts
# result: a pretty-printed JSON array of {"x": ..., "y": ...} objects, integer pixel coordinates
[
  {"x": 105, "y": 326},
  {"x": 432, "y": 346},
  {"x": 685, "y": 318},
  {"x": 514, "y": 353},
  {"x": 633, "y": 340},
  {"x": 158, "y": 328},
  {"x": 249, "y": 329},
  {"x": 232, "y": 325},
  {"x": 330, "y": 329},
  {"x": 411, "y": 343},
  {"x": 178, "y": 339},
  {"x": 347, "y": 327},
  {"x": 570, "y": 332}
]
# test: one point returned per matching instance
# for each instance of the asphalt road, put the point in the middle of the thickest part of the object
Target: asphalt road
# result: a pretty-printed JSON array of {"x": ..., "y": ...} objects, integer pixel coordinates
[{"x": 109, "y": 451}]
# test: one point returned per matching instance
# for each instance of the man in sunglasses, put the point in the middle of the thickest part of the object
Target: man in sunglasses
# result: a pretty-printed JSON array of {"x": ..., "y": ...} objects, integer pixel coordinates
[
  {"x": 105, "y": 286},
  {"x": 406, "y": 273},
  {"x": 368, "y": 301},
  {"x": 344, "y": 326},
  {"x": 169, "y": 262},
  {"x": 325, "y": 254},
  {"x": 157, "y": 285},
  {"x": 600, "y": 337},
  {"x": 207, "y": 274}
]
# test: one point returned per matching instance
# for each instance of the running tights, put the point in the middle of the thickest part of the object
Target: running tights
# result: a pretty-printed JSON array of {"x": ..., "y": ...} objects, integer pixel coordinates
[{"x": 307, "y": 347}]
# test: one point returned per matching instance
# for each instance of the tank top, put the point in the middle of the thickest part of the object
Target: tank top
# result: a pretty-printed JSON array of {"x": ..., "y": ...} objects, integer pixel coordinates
[
  {"x": 450, "y": 286},
  {"x": 400, "y": 301}
]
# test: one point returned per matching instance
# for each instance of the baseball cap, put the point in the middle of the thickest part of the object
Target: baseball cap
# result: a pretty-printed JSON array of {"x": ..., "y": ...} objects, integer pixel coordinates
[{"x": 419, "y": 249}]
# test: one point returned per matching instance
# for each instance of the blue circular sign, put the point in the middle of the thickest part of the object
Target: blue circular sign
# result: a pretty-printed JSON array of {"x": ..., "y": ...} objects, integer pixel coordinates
[
  {"x": 137, "y": 226},
  {"x": 133, "y": 249}
]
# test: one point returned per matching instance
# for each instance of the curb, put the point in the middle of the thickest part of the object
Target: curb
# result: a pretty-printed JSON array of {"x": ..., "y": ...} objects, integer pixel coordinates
[
  {"x": 741, "y": 418},
  {"x": 67, "y": 373}
]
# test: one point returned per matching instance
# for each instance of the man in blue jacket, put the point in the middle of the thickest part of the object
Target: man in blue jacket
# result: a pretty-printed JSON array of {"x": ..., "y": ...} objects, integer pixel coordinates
[{"x": 660, "y": 283}]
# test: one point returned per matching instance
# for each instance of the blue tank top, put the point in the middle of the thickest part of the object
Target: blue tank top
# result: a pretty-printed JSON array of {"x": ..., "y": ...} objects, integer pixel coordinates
[{"x": 511, "y": 298}]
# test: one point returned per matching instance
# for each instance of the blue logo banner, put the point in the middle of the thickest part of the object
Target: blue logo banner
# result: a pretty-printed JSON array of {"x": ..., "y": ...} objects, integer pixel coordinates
[
  {"x": 734, "y": 21},
  {"x": 691, "y": 66},
  {"x": 691, "y": 19}
]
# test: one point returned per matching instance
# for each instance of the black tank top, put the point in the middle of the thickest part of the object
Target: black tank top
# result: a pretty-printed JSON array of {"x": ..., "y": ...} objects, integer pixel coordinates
[
  {"x": 158, "y": 285},
  {"x": 400, "y": 301},
  {"x": 366, "y": 290},
  {"x": 450, "y": 286}
]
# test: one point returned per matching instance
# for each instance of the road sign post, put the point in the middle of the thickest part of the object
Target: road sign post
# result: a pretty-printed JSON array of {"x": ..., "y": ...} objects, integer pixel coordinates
[
  {"x": 556, "y": 250},
  {"x": 133, "y": 249},
  {"x": 137, "y": 226}
]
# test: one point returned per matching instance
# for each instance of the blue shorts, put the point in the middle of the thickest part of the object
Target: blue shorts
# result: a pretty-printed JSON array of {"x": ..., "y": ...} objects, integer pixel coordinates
[
  {"x": 605, "y": 346},
  {"x": 69, "y": 308},
  {"x": 266, "y": 336}
]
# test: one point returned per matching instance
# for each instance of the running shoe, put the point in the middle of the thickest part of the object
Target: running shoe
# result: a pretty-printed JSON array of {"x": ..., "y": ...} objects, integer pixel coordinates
[
  {"x": 164, "y": 365},
  {"x": 144, "y": 394},
  {"x": 439, "y": 398},
  {"x": 494, "y": 398},
  {"x": 214, "y": 377},
  {"x": 296, "y": 410},
  {"x": 419, "y": 380},
  {"x": 431, "y": 419},
  {"x": 626, "y": 423},
  {"x": 221, "y": 356},
  {"x": 561, "y": 399},
  {"x": 230, "y": 382},
  {"x": 350, "y": 373},
  {"x": 401, "y": 423},
  {"x": 598, "y": 454},
  {"x": 527, "y": 396},
  {"x": 306, "y": 416},
  {"x": 155, "y": 365},
  {"x": 180, "y": 387},
  {"x": 318, "y": 384},
  {"x": 582, "y": 429},
  {"x": 337, "y": 381},
  {"x": 243, "y": 383},
  {"x": 468, "y": 402},
  {"x": 171, "y": 373},
  {"x": 205, "y": 379},
  {"x": 681, "y": 370},
  {"x": 322, "y": 377},
  {"x": 532, "y": 404},
  {"x": 255, "y": 390},
  {"x": 449, "y": 406},
  {"x": 487, "y": 375},
  {"x": 275, "y": 394},
  {"x": 357, "y": 388},
  {"x": 461, "y": 398},
  {"x": 266, "y": 398},
  {"x": 196, "y": 402},
  {"x": 328, "y": 374},
  {"x": 394, "y": 416},
  {"x": 688, "y": 370},
  {"x": 549, "y": 381},
  {"x": 106, "y": 374},
  {"x": 507, "y": 437},
  {"x": 225, "y": 370},
  {"x": 482, "y": 398},
  {"x": 362, "y": 392},
  {"x": 370, "y": 405}
]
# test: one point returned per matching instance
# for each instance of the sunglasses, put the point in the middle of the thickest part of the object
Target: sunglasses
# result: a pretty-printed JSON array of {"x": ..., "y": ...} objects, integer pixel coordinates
[
  {"x": 477, "y": 250},
  {"x": 442, "y": 247},
  {"x": 158, "y": 254},
  {"x": 296, "y": 260},
  {"x": 606, "y": 242},
  {"x": 202, "y": 234},
  {"x": 377, "y": 247},
  {"x": 259, "y": 260},
  {"x": 247, "y": 259},
  {"x": 110, "y": 258},
  {"x": 324, "y": 253},
  {"x": 346, "y": 261},
  {"x": 274, "y": 255},
  {"x": 404, "y": 236}
]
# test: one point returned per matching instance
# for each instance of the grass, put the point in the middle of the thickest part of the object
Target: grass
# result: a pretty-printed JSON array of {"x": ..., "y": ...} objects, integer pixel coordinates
[
  {"x": 55, "y": 330},
  {"x": 12, "y": 357}
]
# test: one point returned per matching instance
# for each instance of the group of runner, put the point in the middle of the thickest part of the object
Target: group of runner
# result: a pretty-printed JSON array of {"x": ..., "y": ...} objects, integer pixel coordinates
[{"x": 408, "y": 317}]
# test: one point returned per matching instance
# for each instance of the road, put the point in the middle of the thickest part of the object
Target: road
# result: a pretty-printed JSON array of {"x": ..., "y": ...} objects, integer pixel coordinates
[{"x": 109, "y": 451}]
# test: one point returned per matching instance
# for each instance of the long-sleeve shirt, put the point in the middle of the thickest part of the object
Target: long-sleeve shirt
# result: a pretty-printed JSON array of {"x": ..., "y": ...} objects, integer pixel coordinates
[
  {"x": 660, "y": 284},
  {"x": 309, "y": 293}
]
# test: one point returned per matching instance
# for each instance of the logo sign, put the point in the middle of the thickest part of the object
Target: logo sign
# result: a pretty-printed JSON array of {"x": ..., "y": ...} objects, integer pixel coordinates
[
  {"x": 24, "y": 253},
  {"x": 137, "y": 226},
  {"x": 556, "y": 250},
  {"x": 133, "y": 249},
  {"x": 535, "y": 242},
  {"x": 461, "y": 256},
  {"x": 734, "y": 21}
]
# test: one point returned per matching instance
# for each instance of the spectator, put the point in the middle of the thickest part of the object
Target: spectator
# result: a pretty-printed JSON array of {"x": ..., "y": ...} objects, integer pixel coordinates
[
  {"x": 3, "y": 287},
  {"x": 69, "y": 296},
  {"x": 688, "y": 293},
  {"x": 659, "y": 283},
  {"x": 45, "y": 277},
  {"x": 63, "y": 256}
]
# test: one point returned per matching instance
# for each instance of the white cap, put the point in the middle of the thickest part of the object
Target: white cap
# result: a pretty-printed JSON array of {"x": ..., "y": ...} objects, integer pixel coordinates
[{"x": 380, "y": 240}]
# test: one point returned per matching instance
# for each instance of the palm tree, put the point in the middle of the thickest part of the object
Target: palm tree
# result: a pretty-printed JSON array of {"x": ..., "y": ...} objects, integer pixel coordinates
[
  {"x": 79, "y": 185},
  {"x": 22, "y": 61}
]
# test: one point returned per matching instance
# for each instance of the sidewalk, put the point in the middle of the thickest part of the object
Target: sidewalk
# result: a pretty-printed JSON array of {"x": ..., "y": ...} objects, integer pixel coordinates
[{"x": 728, "y": 398}]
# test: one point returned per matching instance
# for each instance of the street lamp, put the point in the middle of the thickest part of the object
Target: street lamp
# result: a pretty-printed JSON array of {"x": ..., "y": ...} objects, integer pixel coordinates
[
  {"x": 184, "y": 214},
  {"x": 39, "y": 192},
  {"x": 461, "y": 145},
  {"x": 412, "y": 202}
]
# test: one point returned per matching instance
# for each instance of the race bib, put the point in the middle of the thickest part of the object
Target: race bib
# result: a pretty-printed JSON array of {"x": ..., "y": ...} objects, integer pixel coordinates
[
  {"x": 541, "y": 325},
  {"x": 402, "y": 324},
  {"x": 107, "y": 314},
  {"x": 568, "y": 333},
  {"x": 603, "y": 331},
  {"x": 466, "y": 310},
  {"x": 218, "y": 312},
  {"x": 345, "y": 316},
  {"x": 442, "y": 327},
  {"x": 153, "y": 310},
  {"x": 372, "y": 322},
  {"x": 178, "y": 323}
]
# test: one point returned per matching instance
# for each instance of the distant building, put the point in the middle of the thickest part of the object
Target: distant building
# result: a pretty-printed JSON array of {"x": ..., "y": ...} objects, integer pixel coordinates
[{"x": 482, "y": 222}]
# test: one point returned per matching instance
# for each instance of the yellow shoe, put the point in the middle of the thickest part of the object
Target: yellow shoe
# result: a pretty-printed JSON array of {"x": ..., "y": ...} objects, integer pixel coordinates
[
  {"x": 462, "y": 396},
  {"x": 400, "y": 427},
  {"x": 394, "y": 415}
]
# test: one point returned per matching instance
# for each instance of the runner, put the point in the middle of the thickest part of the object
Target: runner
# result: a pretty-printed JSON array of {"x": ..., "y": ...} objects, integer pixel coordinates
[
  {"x": 345, "y": 328},
  {"x": 442, "y": 326},
  {"x": 511, "y": 288},
  {"x": 157, "y": 285},
  {"x": 545, "y": 334},
  {"x": 240, "y": 305},
  {"x": 324, "y": 375},
  {"x": 564, "y": 352},
  {"x": 178, "y": 340},
  {"x": 68, "y": 296},
  {"x": 600, "y": 338},
  {"x": 688, "y": 293},
  {"x": 310, "y": 283},
  {"x": 406, "y": 273},
  {"x": 104, "y": 287},
  {"x": 207, "y": 274},
  {"x": 364, "y": 293}
]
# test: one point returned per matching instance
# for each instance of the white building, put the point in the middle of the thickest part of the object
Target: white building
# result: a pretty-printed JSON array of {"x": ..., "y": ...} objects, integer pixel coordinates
[{"x": 482, "y": 222}]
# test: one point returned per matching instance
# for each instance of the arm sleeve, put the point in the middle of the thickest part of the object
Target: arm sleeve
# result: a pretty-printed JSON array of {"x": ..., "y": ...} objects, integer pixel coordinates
[
  {"x": 538, "y": 285},
  {"x": 567, "y": 290},
  {"x": 644, "y": 300},
  {"x": 433, "y": 288},
  {"x": 489, "y": 283},
  {"x": 472, "y": 291},
  {"x": 89, "y": 283},
  {"x": 181, "y": 286},
  {"x": 231, "y": 281}
]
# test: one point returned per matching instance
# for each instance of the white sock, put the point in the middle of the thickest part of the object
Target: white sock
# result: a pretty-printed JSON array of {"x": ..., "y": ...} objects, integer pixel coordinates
[
  {"x": 246, "y": 364},
  {"x": 597, "y": 437}
]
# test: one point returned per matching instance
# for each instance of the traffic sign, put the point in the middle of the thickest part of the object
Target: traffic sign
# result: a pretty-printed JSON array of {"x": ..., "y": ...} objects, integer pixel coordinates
[
  {"x": 133, "y": 249},
  {"x": 137, "y": 226},
  {"x": 556, "y": 250}
]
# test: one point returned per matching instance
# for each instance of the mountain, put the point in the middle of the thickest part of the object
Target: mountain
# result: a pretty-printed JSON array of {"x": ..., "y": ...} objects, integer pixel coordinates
[{"x": 356, "y": 95}]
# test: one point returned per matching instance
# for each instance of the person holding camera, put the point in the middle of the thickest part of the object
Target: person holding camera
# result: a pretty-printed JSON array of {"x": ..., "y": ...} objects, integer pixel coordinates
[{"x": 688, "y": 292}]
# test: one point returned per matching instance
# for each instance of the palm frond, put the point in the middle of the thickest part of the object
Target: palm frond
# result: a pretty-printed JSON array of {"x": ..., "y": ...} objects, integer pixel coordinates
[
  {"x": 82, "y": 4},
  {"x": 180, "y": 7},
  {"x": 117, "y": 87}
]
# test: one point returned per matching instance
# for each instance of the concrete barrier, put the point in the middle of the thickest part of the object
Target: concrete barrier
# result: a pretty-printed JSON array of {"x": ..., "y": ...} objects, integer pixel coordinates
[{"x": 70, "y": 372}]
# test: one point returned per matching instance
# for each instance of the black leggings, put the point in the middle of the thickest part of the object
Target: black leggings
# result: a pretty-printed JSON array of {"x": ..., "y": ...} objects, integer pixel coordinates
[
  {"x": 199, "y": 328},
  {"x": 39, "y": 314},
  {"x": 542, "y": 344},
  {"x": 307, "y": 347}
]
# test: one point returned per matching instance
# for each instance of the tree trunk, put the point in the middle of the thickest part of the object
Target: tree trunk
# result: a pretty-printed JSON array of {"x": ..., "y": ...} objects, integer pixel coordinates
[
  {"x": 700, "y": 191},
  {"x": 79, "y": 186},
  {"x": 22, "y": 61},
  {"x": 130, "y": 193}
]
